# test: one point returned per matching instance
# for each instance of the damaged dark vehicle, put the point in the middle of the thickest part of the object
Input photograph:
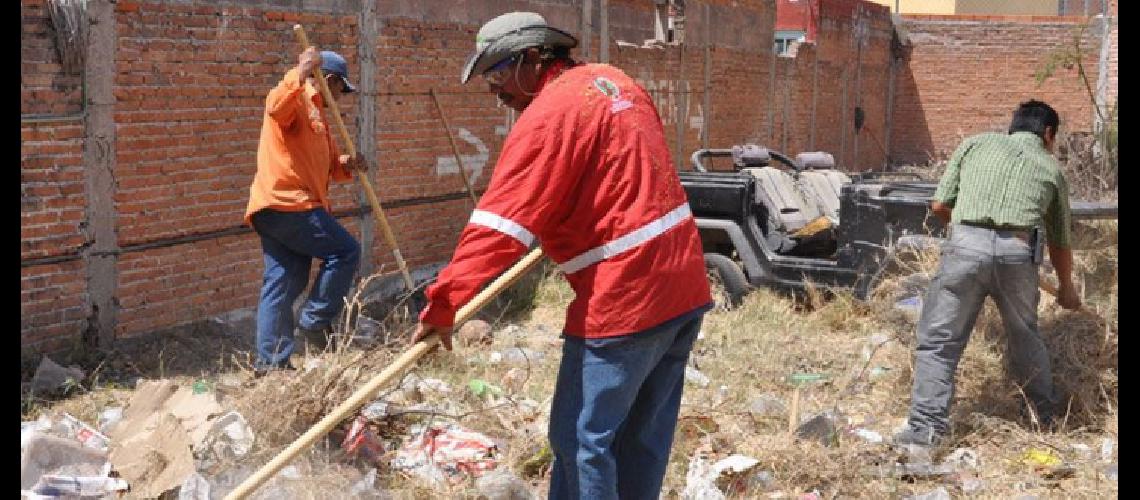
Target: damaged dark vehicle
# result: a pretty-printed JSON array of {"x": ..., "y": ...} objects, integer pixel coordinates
[{"x": 781, "y": 222}]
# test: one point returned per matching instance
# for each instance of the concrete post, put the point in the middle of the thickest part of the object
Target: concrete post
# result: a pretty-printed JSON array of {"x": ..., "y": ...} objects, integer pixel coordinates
[
  {"x": 604, "y": 50},
  {"x": 366, "y": 124},
  {"x": 706, "y": 115},
  {"x": 101, "y": 253},
  {"x": 587, "y": 28}
]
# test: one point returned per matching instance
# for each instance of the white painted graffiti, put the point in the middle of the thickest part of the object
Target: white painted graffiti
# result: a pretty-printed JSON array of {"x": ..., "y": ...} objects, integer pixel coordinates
[{"x": 473, "y": 164}]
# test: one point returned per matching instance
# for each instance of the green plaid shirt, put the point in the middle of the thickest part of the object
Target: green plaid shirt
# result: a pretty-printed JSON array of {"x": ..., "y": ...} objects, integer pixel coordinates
[{"x": 1007, "y": 180}]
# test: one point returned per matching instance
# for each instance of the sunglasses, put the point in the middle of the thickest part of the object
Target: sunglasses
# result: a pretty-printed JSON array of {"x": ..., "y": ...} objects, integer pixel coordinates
[{"x": 497, "y": 74}]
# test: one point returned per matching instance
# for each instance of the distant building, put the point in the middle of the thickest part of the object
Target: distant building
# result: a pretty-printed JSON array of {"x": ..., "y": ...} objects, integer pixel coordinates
[{"x": 998, "y": 7}]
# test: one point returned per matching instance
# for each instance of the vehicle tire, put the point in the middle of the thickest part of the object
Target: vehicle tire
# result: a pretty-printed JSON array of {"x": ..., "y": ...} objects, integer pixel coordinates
[{"x": 730, "y": 277}]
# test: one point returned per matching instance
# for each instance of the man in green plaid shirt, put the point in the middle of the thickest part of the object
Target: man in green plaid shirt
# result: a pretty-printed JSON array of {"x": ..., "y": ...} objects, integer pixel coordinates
[{"x": 999, "y": 192}]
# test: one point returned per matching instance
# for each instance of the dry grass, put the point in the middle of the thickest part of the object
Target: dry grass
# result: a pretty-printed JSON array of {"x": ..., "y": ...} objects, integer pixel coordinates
[{"x": 746, "y": 352}]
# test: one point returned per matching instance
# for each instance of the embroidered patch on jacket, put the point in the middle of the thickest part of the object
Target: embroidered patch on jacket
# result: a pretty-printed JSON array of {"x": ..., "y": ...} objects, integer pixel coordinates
[{"x": 611, "y": 90}]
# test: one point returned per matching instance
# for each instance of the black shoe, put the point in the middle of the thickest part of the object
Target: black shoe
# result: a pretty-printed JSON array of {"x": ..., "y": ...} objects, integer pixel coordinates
[
  {"x": 320, "y": 337},
  {"x": 263, "y": 370}
]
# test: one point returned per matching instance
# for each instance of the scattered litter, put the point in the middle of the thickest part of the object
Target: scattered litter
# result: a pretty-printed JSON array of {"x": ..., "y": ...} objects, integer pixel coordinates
[
  {"x": 879, "y": 371},
  {"x": 290, "y": 472},
  {"x": 1082, "y": 449},
  {"x": 962, "y": 457},
  {"x": 451, "y": 449},
  {"x": 700, "y": 481},
  {"x": 500, "y": 484},
  {"x": 767, "y": 405},
  {"x": 154, "y": 456},
  {"x": 1110, "y": 471},
  {"x": 1106, "y": 447},
  {"x": 821, "y": 428},
  {"x": 375, "y": 410},
  {"x": 201, "y": 386},
  {"x": 1040, "y": 458},
  {"x": 868, "y": 435},
  {"x": 313, "y": 364},
  {"x": 364, "y": 485},
  {"x": 518, "y": 356},
  {"x": 475, "y": 332},
  {"x": 229, "y": 436},
  {"x": 433, "y": 385},
  {"x": 67, "y": 427},
  {"x": 47, "y": 455},
  {"x": 803, "y": 378},
  {"x": 811, "y": 495},
  {"x": 1059, "y": 472},
  {"x": 972, "y": 485},
  {"x": 695, "y": 376},
  {"x": 51, "y": 377},
  {"x": 195, "y": 487},
  {"x": 910, "y": 305},
  {"x": 480, "y": 387},
  {"x": 700, "y": 334},
  {"x": 917, "y": 471},
  {"x": 938, "y": 493},
  {"x": 55, "y": 486},
  {"x": 515, "y": 379},
  {"x": 109, "y": 417},
  {"x": 362, "y": 441}
]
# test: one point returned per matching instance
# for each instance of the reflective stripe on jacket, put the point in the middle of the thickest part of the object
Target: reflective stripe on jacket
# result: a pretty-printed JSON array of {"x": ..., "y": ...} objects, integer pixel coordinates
[{"x": 586, "y": 172}]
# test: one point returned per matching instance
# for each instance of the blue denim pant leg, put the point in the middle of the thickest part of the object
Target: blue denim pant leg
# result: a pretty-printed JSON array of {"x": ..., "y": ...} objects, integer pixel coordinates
[
  {"x": 289, "y": 242},
  {"x": 615, "y": 409}
]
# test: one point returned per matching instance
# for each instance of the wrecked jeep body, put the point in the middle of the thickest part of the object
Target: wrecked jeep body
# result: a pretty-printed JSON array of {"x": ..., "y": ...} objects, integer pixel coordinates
[{"x": 782, "y": 222}]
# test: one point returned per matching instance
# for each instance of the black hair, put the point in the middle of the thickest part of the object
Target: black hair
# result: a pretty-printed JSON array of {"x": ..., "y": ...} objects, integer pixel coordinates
[
  {"x": 1034, "y": 116},
  {"x": 550, "y": 53}
]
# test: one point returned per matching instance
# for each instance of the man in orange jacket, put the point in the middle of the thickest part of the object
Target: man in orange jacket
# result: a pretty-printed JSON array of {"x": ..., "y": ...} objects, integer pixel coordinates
[
  {"x": 586, "y": 173},
  {"x": 289, "y": 209}
]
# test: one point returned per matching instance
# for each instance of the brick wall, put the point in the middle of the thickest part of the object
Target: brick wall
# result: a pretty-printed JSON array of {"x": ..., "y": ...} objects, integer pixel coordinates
[
  {"x": 189, "y": 84},
  {"x": 848, "y": 66},
  {"x": 45, "y": 89},
  {"x": 965, "y": 74},
  {"x": 190, "y": 78},
  {"x": 52, "y": 201}
]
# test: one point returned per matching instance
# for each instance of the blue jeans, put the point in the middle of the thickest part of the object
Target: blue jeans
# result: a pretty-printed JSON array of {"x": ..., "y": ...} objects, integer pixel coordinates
[
  {"x": 615, "y": 408},
  {"x": 289, "y": 242}
]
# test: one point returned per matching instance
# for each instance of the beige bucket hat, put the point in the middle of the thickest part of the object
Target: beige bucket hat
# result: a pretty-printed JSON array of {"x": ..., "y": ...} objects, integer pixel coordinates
[{"x": 508, "y": 34}]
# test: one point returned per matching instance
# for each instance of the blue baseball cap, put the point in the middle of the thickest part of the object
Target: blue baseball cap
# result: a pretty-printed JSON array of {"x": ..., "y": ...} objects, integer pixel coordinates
[{"x": 331, "y": 62}]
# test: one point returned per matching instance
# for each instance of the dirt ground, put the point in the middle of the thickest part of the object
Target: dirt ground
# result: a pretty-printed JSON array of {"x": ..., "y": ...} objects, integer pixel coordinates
[{"x": 855, "y": 357}]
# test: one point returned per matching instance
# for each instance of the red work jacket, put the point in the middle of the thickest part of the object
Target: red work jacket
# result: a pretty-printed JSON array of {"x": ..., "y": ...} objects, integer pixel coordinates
[{"x": 586, "y": 173}]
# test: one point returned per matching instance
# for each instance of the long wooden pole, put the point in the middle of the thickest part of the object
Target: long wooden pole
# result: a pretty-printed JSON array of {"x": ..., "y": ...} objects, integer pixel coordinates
[
  {"x": 351, "y": 149},
  {"x": 454, "y": 148},
  {"x": 370, "y": 389}
]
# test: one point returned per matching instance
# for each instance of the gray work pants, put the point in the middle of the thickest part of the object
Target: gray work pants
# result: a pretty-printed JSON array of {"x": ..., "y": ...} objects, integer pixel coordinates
[{"x": 976, "y": 263}]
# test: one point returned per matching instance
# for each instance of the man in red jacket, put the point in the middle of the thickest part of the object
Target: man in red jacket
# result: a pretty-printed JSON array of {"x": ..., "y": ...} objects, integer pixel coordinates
[{"x": 586, "y": 173}]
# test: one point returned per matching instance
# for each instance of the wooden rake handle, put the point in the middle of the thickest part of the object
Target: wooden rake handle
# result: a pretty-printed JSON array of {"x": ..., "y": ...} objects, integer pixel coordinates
[
  {"x": 369, "y": 390},
  {"x": 351, "y": 149},
  {"x": 454, "y": 148}
]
